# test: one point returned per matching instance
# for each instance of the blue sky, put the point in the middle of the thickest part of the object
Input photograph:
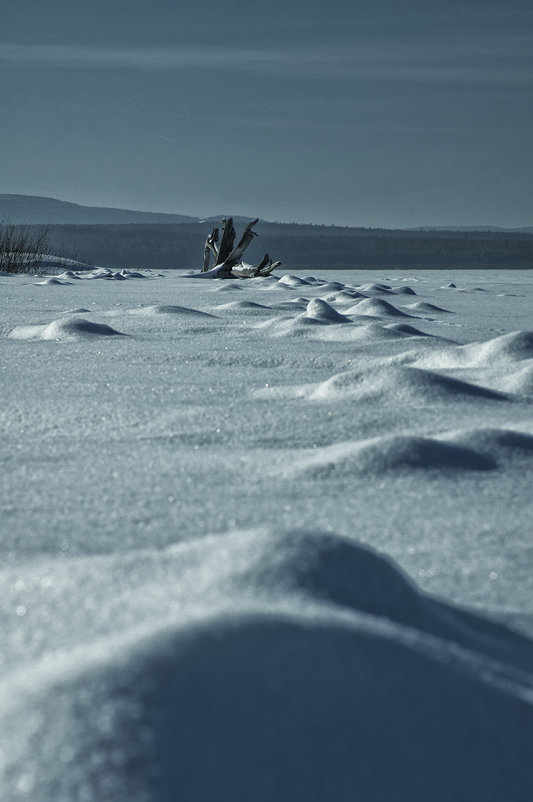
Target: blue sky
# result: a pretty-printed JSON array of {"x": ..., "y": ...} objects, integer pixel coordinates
[{"x": 358, "y": 113}]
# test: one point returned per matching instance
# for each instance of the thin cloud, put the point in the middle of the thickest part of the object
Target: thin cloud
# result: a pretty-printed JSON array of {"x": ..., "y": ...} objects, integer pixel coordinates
[
  {"x": 507, "y": 62},
  {"x": 163, "y": 137}
]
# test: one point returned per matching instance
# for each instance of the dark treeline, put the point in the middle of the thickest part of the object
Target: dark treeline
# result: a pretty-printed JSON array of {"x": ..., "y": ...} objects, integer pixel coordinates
[{"x": 297, "y": 246}]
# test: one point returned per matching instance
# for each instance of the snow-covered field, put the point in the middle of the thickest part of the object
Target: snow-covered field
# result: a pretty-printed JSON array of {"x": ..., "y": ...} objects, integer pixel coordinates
[{"x": 267, "y": 540}]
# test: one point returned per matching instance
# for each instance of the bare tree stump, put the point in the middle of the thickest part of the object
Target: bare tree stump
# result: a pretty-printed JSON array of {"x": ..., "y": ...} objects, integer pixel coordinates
[
  {"x": 227, "y": 259},
  {"x": 210, "y": 248},
  {"x": 228, "y": 238}
]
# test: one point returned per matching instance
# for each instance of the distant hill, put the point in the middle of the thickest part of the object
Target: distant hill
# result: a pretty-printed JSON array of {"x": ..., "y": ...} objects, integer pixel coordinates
[
  {"x": 522, "y": 230},
  {"x": 36, "y": 210},
  {"x": 32, "y": 209}
]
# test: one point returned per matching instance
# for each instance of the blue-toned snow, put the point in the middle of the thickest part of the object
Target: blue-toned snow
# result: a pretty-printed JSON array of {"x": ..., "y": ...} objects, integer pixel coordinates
[{"x": 268, "y": 539}]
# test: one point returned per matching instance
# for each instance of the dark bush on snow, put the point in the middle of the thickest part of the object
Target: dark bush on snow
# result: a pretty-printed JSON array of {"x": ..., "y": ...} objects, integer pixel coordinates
[{"x": 21, "y": 248}]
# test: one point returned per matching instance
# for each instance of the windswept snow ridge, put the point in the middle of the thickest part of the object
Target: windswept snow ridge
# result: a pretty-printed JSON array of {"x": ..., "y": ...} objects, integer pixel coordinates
[{"x": 273, "y": 544}]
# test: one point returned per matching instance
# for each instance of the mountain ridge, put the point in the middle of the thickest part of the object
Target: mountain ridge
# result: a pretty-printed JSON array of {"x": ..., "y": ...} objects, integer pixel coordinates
[
  {"x": 40, "y": 209},
  {"x": 37, "y": 209}
]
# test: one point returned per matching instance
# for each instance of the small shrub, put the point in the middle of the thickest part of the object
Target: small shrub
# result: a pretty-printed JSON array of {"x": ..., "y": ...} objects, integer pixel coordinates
[{"x": 21, "y": 248}]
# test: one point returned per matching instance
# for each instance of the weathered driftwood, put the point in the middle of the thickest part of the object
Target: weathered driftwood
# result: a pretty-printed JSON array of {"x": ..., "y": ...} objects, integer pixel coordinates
[{"x": 228, "y": 259}]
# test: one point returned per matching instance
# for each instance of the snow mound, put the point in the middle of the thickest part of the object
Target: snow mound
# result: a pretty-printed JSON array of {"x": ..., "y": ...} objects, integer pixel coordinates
[
  {"x": 51, "y": 281},
  {"x": 505, "y": 441},
  {"x": 404, "y": 290},
  {"x": 99, "y": 272},
  {"x": 380, "y": 289},
  {"x": 380, "y": 455},
  {"x": 69, "y": 274},
  {"x": 292, "y": 281},
  {"x": 421, "y": 306},
  {"x": 332, "y": 286},
  {"x": 227, "y": 286},
  {"x": 169, "y": 309},
  {"x": 366, "y": 334},
  {"x": 519, "y": 381},
  {"x": 251, "y": 307},
  {"x": 321, "y": 665},
  {"x": 321, "y": 310},
  {"x": 400, "y": 384},
  {"x": 512, "y": 347},
  {"x": 300, "y": 326},
  {"x": 290, "y": 704},
  {"x": 377, "y": 307},
  {"x": 405, "y": 328},
  {"x": 71, "y": 329},
  {"x": 502, "y": 351},
  {"x": 132, "y": 274},
  {"x": 293, "y": 303},
  {"x": 113, "y": 275},
  {"x": 343, "y": 297}
]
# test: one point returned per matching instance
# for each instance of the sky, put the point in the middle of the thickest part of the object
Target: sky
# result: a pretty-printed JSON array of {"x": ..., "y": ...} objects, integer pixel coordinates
[{"x": 391, "y": 113}]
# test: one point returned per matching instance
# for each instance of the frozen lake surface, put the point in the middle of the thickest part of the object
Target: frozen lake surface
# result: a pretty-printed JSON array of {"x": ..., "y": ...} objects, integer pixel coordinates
[{"x": 267, "y": 539}]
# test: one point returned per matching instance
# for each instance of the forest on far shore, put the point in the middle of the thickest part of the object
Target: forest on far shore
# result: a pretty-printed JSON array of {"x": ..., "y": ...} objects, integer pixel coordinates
[{"x": 298, "y": 247}]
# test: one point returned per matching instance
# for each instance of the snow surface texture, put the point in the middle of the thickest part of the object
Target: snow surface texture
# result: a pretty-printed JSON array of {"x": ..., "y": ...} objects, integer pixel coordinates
[{"x": 268, "y": 539}]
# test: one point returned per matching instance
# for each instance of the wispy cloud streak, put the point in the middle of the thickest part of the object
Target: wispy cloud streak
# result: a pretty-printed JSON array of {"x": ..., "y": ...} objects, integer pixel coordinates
[{"x": 501, "y": 62}]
